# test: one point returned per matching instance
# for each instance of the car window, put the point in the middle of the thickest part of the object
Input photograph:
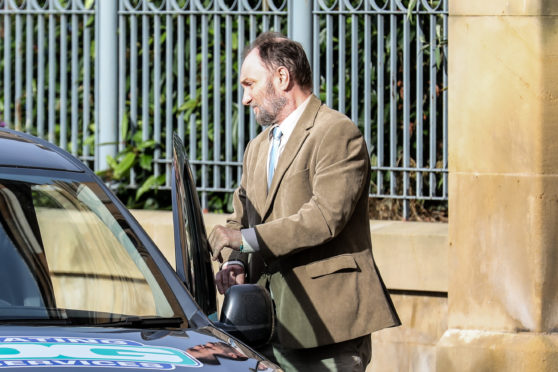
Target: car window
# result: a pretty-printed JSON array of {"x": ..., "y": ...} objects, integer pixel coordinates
[{"x": 70, "y": 249}]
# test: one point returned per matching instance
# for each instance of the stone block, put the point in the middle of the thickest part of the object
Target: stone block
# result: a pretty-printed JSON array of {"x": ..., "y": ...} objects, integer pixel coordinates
[
  {"x": 480, "y": 351},
  {"x": 412, "y": 346},
  {"x": 503, "y": 255},
  {"x": 411, "y": 255},
  {"x": 503, "y": 7},
  {"x": 498, "y": 96}
]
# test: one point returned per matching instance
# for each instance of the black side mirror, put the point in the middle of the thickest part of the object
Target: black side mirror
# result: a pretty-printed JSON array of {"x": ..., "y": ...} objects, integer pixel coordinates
[{"x": 248, "y": 314}]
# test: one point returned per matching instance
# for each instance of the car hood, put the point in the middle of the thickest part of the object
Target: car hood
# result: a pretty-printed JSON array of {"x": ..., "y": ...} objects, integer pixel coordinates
[{"x": 95, "y": 348}]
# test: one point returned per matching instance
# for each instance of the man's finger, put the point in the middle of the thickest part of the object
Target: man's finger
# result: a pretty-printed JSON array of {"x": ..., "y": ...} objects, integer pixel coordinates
[
  {"x": 217, "y": 254},
  {"x": 240, "y": 278},
  {"x": 219, "y": 282},
  {"x": 232, "y": 279}
]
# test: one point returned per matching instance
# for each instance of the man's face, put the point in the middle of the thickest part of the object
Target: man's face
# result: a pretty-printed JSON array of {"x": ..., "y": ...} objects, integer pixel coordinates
[{"x": 259, "y": 91}]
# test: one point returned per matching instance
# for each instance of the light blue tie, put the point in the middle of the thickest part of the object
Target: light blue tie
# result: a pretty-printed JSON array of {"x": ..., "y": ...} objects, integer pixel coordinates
[{"x": 274, "y": 154}]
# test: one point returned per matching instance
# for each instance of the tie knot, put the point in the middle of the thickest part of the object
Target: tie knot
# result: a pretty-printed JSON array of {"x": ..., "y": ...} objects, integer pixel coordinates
[{"x": 277, "y": 133}]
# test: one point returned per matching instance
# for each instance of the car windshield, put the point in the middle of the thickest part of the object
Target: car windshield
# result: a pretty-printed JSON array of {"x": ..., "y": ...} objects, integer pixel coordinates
[{"x": 69, "y": 255}]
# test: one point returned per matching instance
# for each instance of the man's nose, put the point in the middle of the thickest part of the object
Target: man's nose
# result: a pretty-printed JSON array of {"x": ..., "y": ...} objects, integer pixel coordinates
[{"x": 246, "y": 98}]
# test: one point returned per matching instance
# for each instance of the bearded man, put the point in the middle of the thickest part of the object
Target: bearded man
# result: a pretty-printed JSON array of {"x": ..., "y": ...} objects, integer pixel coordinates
[{"x": 300, "y": 225}]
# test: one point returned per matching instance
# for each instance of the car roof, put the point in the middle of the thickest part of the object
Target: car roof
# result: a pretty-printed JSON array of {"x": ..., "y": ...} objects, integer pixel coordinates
[{"x": 25, "y": 151}]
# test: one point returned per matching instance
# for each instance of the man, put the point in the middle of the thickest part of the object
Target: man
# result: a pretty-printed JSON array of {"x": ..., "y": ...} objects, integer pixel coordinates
[{"x": 300, "y": 225}]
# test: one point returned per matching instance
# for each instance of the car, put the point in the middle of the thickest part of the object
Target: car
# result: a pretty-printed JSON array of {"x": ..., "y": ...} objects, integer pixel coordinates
[{"x": 83, "y": 285}]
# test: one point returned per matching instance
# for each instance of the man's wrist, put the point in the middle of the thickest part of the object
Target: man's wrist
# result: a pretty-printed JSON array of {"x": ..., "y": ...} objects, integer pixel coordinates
[
  {"x": 249, "y": 241},
  {"x": 234, "y": 262}
]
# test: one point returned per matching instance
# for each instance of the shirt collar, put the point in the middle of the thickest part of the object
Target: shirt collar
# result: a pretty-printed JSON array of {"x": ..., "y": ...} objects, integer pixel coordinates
[{"x": 287, "y": 126}]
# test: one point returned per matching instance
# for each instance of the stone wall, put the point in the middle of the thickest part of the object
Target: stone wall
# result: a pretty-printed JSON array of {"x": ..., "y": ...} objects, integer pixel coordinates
[{"x": 412, "y": 258}]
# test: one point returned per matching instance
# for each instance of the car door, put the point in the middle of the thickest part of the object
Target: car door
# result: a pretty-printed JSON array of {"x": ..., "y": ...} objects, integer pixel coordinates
[{"x": 192, "y": 251}]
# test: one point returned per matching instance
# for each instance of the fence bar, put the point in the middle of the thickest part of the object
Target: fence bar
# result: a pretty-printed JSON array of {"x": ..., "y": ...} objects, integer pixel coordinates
[
  {"x": 432, "y": 108},
  {"x": 28, "y": 72},
  {"x": 7, "y": 70},
  {"x": 300, "y": 14},
  {"x": 216, "y": 96},
  {"x": 181, "y": 65},
  {"x": 367, "y": 88},
  {"x": 133, "y": 124},
  {"x": 445, "y": 103},
  {"x": 169, "y": 82},
  {"x": 74, "y": 85},
  {"x": 145, "y": 79},
  {"x": 40, "y": 76},
  {"x": 329, "y": 60},
  {"x": 239, "y": 92},
  {"x": 393, "y": 100},
  {"x": 419, "y": 107},
  {"x": 406, "y": 112},
  {"x": 86, "y": 87},
  {"x": 354, "y": 72},
  {"x": 193, "y": 88},
  {"x": 157, "y": 130},
  {"x": 204, "y": 103},
  {"x": 380, "y": 89},
  {"x": 122, "y": 34},
  {"x": 51, "y": 77},
  {"x": 228, "y": 100},
  {"x": 252, "y": 32},
  {"x": 108, "y": 81},
  {"x": 316, "y": 53},
  {"x": 63, "y": 118},
  {"x": 341, "y": 81},
  {"x": 18, "y": 73}
]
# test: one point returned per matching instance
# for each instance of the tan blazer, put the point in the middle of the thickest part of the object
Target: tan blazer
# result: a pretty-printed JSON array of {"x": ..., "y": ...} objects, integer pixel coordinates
[{"x": 314, "y": 232}]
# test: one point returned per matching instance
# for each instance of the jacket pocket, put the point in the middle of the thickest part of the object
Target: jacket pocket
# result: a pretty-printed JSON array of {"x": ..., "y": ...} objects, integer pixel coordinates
[{"x": 344, "y": 262}]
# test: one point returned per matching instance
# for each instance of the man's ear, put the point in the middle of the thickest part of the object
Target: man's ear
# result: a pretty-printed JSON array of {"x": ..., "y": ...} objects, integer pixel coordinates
[{"x": 283, "y": 78}]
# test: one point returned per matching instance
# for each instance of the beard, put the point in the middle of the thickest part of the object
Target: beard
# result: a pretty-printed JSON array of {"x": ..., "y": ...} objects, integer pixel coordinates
[{"x": 271, "y": 106}]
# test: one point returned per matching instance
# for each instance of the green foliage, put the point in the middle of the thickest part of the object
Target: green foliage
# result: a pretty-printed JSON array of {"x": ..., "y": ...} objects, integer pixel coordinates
[
  {"x": 141, "y": 157},
  {"x": 137, "y": 157}
]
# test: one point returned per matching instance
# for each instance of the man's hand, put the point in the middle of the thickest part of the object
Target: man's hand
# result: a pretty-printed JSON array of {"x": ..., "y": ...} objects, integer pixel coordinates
[
  {"x": 223, "y": 237},
  {"x": 231, "y": 275}
]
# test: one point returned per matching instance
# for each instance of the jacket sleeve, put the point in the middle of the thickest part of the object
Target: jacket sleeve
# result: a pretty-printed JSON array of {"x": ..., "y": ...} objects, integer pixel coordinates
[
  {"x": 341, "y": 176},
  {"x": 238, "y": 219}
]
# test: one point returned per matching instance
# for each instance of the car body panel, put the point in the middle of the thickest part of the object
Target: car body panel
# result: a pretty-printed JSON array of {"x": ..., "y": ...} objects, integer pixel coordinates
[
  {"x": 49, "y": 348},
  {"x": 53, "y": 340},
  {"x": 21, "y": 151}
]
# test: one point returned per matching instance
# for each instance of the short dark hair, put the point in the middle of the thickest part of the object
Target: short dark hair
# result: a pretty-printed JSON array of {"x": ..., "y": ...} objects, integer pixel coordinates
[{"x": 277, "y": 50}]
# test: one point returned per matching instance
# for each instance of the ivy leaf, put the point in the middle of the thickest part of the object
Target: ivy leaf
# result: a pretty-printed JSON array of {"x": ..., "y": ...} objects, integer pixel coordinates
[
  {"x": 137, "y": 137},
  {"x": 124, "y": 165},
  {"x": 111, "y": 162},
  {"x": 146, "y": 144},
  {"x": 124, "y": 126},
  {"x": 150, "y": 182},
  {"x": 188, "y": 105},
  {"x": 145, "y": 161},
  {"x": 89, "y": 141},
  {"x": 412, "y": 4}
]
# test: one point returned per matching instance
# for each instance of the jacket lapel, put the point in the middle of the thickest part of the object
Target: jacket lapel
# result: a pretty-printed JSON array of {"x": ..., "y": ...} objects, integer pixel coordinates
[
  {"x": 294, "y": 144},
  {"x": 260, "y": 172}
]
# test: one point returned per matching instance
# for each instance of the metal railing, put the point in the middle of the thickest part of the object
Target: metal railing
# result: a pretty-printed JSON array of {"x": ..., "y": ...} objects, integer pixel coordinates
[
  {"x": 378, "y": 61},
  {"x": 48, "y": 65},
  {"x": 389, "y": 57}
]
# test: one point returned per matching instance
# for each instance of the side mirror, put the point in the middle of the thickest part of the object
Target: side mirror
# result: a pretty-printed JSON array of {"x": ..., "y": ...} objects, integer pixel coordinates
[{"x": 247, "y": 314}]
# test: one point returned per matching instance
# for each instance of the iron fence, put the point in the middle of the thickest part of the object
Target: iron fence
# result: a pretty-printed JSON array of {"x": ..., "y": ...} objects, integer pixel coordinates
[{"x": 382, "y": 62}]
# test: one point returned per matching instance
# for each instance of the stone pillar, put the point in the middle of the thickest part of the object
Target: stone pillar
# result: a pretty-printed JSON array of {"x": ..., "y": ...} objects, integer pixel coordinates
[{"x": 503, "y": 220}]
